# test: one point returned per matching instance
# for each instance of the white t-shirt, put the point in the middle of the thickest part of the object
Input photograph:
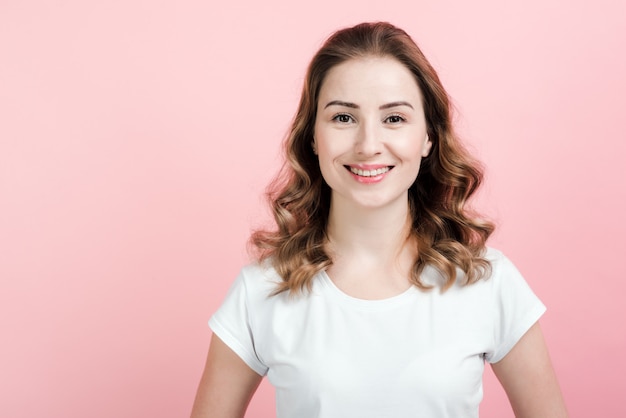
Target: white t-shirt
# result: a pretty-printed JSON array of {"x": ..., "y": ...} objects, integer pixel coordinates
[{"x": 417, "y": 354}]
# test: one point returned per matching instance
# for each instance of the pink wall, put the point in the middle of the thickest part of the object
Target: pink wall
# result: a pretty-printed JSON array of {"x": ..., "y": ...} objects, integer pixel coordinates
[{"x": 136, "y": 138}]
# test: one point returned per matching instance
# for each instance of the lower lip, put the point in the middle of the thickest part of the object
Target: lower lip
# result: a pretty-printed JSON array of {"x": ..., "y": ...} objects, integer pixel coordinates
[{"x": 369, "y": 180}]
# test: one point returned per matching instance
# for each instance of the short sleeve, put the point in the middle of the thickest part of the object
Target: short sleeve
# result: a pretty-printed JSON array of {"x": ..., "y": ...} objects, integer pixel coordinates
[
  {"x": 515, "y": 307},
  {"x": 231, "y": 323}
]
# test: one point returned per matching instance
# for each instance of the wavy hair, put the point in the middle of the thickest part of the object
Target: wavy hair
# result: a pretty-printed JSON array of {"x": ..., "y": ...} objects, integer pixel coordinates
[{"x": 449, "y": 236}]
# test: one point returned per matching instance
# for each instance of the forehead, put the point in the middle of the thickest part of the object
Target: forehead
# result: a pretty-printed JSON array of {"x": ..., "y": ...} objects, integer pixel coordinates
[{"x": 370, "y": 79}]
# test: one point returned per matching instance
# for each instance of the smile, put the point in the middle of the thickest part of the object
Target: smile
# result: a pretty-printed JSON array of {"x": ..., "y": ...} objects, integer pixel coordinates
[{"x": 368, "y": 173}]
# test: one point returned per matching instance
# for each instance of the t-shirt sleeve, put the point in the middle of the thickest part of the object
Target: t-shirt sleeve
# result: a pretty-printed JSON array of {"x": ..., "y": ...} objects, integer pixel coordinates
[
  {"x": 516, "y": 308},
  {"x": 231, "y": 323}
]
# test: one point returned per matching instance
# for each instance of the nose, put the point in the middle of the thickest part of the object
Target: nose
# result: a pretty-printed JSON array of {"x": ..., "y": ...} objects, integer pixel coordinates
[{"x": 368, "y": 140}]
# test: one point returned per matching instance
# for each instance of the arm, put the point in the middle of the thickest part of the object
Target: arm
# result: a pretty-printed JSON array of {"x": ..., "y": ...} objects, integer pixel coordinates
[
  {"x": 227, "y": 384},
  {"x": 528, "y": 378}
]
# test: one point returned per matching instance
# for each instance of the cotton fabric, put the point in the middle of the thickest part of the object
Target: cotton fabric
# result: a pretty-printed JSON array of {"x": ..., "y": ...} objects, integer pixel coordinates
[{"x": 418, "y": 354}]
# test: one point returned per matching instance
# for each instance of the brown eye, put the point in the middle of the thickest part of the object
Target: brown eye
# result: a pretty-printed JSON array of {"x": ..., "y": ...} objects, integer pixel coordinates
[
  {"x": 342, "y": 118},
  {"x": 395, "y": 119}
]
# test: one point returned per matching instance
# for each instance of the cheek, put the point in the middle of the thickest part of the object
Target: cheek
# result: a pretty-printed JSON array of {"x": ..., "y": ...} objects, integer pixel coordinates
[
  {"x": 327, "y": 162},
  {"x": 324, "y": 155},
  {"x": 410, "y": 150},
  {"x": 329, "y": 157},
  {"x": 329, "y": 148},
  {"x": 329, "y": 172}
]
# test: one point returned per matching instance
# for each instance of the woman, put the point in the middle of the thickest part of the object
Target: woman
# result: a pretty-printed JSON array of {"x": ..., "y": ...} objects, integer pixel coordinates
[{"x": 376, "y": 295}]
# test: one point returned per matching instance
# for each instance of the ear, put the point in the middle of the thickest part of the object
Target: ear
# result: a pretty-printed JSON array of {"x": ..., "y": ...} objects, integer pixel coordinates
[
  {"x": 314, "y": 147},
  {"x": 428, "y": 144}
]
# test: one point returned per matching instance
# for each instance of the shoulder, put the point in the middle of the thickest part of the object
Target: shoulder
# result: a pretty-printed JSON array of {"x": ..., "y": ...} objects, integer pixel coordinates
[
  {"x": 499, "y": 267},
  {"x": 495, "y": 256},
  {"x": 251, "y": 291},
  {"x": 259, "y": 270},
  {"x": 502, "y": 268},
  {"x": 259, "y": 278},
  {"x": 515, "y": 307},
  {"x": 511, "y": 293}
]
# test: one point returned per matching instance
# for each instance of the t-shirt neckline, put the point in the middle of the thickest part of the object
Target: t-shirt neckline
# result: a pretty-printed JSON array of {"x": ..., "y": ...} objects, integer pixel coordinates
[{"x": 369, "y": 304}]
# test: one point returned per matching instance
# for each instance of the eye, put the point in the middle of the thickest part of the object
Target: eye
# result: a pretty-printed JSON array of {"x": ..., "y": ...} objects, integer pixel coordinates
[
  {"x": 343, "y": 118},
  {"x": 394, "y": 119}
]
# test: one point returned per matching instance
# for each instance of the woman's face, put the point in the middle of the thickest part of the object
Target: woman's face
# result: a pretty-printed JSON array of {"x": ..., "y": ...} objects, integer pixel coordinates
[{"x": 370, "y": 132}]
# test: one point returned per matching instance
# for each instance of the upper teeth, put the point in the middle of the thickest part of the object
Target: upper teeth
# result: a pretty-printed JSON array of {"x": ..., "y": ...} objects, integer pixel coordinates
[{"x": 369, "y": 173}]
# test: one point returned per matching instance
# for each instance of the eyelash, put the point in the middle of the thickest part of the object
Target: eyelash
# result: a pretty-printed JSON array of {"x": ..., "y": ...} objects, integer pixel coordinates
[
  {"x": 339, "y": 116},
  {"x": 398, "y": 117}
]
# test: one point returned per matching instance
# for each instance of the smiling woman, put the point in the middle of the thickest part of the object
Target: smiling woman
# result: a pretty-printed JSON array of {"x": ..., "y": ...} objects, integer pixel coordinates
[
  {"x": 376, "y": 295},
  {"x": 370, "y": 133}
]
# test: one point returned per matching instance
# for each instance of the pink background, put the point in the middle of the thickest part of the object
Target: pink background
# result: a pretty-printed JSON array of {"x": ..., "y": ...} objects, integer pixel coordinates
[{"x": 136, "y": 138}]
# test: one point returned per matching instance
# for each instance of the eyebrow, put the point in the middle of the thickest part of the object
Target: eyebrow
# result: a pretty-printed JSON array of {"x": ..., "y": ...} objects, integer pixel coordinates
[
  {"x": 396, "y": 104},
  {"x": 355, "y": 106}
]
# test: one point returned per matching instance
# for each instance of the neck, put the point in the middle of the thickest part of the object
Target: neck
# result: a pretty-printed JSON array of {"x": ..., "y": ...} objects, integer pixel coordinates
[
  {"x": 379, "y": 234},
  {"x": 371, "y": 249}
]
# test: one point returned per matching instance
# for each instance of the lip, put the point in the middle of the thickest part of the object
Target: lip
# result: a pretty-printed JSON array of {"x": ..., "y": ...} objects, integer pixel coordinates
[{"x": 369, "y": 167}]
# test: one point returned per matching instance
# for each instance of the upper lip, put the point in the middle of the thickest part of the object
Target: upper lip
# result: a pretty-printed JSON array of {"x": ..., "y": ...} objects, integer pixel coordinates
[{"x": 368, "y": 166}]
